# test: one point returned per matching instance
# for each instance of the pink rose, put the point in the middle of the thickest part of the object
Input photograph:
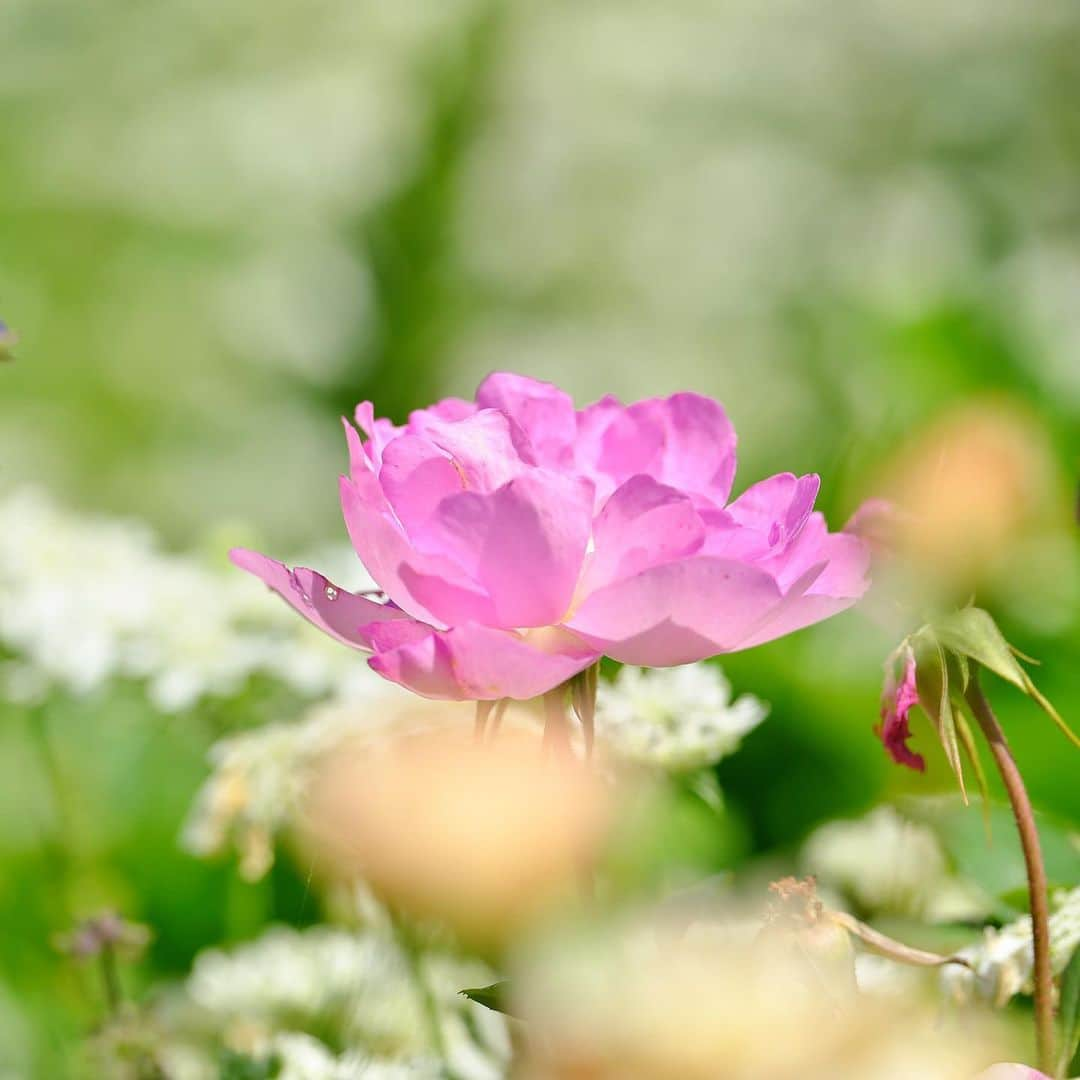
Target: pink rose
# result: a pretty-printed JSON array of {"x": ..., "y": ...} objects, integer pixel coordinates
[{"x": 518, "y": 540}]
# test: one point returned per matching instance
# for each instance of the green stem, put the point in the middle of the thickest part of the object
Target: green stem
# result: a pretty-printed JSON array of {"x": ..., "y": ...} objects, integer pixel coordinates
[
  {"x": 1036, "y": 871},
  {"x": 110, "y": 979},
  {"x": 58, "y": 846},
  {"x": 429, "y": 1006}
]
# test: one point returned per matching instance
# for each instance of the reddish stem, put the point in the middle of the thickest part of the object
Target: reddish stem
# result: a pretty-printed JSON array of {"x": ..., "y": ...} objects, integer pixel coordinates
[{"x": 1036, "y": 871}]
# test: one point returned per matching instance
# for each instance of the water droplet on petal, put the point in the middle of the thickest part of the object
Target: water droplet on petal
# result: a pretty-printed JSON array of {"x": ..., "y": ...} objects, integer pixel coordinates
[{"x": 331, "y": 592}]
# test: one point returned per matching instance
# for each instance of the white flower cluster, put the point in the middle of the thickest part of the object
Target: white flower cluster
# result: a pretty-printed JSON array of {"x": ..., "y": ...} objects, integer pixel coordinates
[
  {"x": 1002, "y": 962},
  {"x": 87, "y": 599},
  {"x": 359, "y": 985},
  {"x": 680, "y": 718},
  {"x": 260, "y": 778},
  {"x": 301, "y": 1057},
  {"x": 887, "y": 864}
]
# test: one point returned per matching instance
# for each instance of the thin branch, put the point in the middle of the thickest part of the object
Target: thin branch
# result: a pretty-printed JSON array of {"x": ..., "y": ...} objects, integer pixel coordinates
[{"x": 1036, "y": 871}]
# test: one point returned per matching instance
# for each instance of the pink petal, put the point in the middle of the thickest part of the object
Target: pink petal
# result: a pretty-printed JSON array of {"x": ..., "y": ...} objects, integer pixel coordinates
[
  {"x": 379, "y": 432},
  {"x": 685, "y": 441},
  {"x": 449, "y": 409},
  {"x": 338, "y": 612},
  {"x": 416, "y": 476},
  {"x": 798, "y": 610},
  {"x": 821, "y": 574},
  {"x": 765, "y": 519},
  {"x": 643, "y": 524},
  {"x": 479, "y": 663},
  {"x": 543, "y": 411},
  {"x": 592, "y": 424},
  {"x": 1012, "y": 1072},
  {"x": 429, "y": 587},
  {"x": 633, "y": 442},
  {"x": 898, "y": 698},
  {"x": 679, "y": 612},
  {"x": 524, "y": 544},
  {"x": 699, "y": 454},
  {"x": 487, "y": 448}
]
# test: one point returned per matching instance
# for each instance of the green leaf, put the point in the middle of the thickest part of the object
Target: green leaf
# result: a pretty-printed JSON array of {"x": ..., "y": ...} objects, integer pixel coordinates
[
  {"x": 1070, "y": 1012},
  {"x": 705, "y": 785},
  {"x": 972, "y": 632},
  {"x": 491, "y": 997},
  {"x": 932, "y": 676},
  {"x": 965, "y": 671},
  {"x": 967, "y": 740}
]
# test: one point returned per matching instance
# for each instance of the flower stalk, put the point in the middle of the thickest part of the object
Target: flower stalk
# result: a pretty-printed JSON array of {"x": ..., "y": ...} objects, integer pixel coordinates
[
  {"x": 1033, "y": 862},
  {"x": 405, "y": 937}
]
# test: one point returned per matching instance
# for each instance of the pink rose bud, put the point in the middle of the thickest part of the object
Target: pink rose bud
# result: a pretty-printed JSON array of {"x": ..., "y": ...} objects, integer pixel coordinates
[{"x": 898, "y": 697}]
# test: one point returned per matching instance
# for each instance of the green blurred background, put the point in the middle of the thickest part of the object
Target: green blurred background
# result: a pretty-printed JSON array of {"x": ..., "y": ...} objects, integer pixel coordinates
[{"x": 223, "y": 223}]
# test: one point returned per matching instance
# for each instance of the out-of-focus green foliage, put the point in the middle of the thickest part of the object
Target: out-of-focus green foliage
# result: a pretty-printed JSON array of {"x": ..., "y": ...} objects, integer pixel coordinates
[{"x": 225, "y": 222}]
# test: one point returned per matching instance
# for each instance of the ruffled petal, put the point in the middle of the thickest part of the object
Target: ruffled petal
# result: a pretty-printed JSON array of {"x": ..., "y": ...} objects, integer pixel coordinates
[
  {"x": 543, "y": 411},
  {"x": 487, "y": 448},
  {"x": 416, "y": 476},
  {"x": 479, "y": 663},
  {"x": 378, "y": 431},
  {"x": 821, "y": 574},
  {"x": 338, "y": 612},
  {"x": 678, "y": 612},
  {"x": 430, "y": 587},
  {"x": 685, "y": 441},
  {"x": 643, "y": 524},
  {"x": 765, "y": 519},
  {"x": 524, "y": 544}
]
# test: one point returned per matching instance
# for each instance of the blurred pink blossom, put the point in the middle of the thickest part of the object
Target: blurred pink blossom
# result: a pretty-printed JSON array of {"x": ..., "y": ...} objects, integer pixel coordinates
[
  {"x": 518, "y": 539},
  {"x": 1012, "y": 1072}
]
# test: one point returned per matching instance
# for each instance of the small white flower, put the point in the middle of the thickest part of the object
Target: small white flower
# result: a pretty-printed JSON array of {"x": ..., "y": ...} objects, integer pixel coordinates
[
  {"x": 887, "y": 864},
  {"x": 301, "y": 1057},
  {"x": 85, "y": 600},
  {"x": 360, "y": 985},
  {"x": 261, "y": 777},
  {"x": 679, "y": 718},
  {"x": 1001, "y": 965}
]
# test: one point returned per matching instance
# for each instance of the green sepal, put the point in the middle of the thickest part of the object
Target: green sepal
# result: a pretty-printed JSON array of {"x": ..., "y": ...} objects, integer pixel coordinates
[
  {"x": 491, "y": 997},
  {"x": 932, "y": 678},
  {"x": 971, "y": 632},
  {"x": 967, "y": 741}
]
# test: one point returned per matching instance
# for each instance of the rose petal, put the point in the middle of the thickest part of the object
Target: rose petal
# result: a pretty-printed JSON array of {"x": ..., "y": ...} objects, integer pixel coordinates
[
  {"x": 765, "y": 519},
  {"x": 1011, "y": 1072},
  {"x": 679, "y": 612},
  {"x": 685, "y": 441},
  {"x": 524, "y": 544},
  {"x": 416, "y": 476},
  {"x": 836, "y": 565},
  {"x": 379, "y": 432},
  {"x": 429, "y": 587},
  {"x": 337, "y": 612},
  {"x": 480, "y": 663},
  {"x": 487, "y": 448},
  {"x": 543, "y": 411},
  {"x": 847, "y": 558},
  {"x": 643, "y": 524}
]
